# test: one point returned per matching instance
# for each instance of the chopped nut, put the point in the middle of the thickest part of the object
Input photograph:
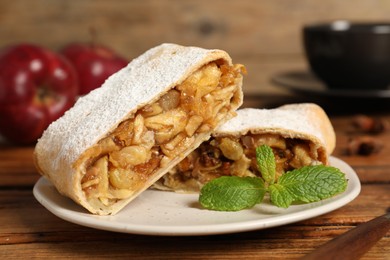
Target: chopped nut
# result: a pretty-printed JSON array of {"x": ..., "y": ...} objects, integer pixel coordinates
[
  {"x": 371, "y": 125},
  {"x": 364, "y": 145}
]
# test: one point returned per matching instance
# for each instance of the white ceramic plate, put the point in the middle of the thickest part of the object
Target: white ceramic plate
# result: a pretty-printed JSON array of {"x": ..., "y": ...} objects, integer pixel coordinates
[{"x": 171, "y": 214}]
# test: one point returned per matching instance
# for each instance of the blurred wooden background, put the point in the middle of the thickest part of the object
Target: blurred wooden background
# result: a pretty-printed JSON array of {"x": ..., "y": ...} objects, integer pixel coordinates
[{"x": 264, "y": 35}]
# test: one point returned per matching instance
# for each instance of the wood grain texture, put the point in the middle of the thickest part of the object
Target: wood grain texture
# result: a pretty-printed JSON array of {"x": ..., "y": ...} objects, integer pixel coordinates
[
  {"x": 354, "y": 243},
  {"x": 264, "y": 35},
  {"x": 243, "y": 27},
  {"x": 33, "y": 231}
]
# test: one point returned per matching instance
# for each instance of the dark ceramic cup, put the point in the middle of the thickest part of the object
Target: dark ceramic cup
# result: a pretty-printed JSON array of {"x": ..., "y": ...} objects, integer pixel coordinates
[{"x": 347, "y": 55}]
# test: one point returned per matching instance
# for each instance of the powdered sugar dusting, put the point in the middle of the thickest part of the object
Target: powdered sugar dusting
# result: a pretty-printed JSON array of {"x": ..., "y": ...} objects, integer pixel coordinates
[
  {"x": 294, "y": 117},
  {"x": 142, "y": 81}
]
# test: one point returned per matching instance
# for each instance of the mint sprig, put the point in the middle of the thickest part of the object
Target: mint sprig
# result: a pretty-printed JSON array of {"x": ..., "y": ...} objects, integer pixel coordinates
[
  {"x": 232, "y": 193},
  {"x": 307, "y": 184}
]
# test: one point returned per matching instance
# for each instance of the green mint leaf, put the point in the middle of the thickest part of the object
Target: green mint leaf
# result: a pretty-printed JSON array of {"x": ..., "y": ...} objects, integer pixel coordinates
[
  {"x": 308, "y": 184},
  {"x": 266, "y": 162},
  {"x": 232, "y": 193},
  {"x": 280, "y": 196}
]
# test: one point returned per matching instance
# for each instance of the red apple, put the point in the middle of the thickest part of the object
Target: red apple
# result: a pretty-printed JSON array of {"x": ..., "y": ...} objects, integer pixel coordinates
[
  {"x": 93, "y": 64},
  {"x": 36, "y": 87}
]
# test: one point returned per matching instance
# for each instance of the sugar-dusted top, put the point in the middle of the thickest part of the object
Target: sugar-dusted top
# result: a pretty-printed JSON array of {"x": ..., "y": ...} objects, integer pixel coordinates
[{"x": 142, "y": 81}]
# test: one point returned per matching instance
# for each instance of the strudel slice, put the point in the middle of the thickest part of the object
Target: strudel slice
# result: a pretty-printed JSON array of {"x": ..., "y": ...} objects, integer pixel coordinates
[{"x": 122, "y": 137}]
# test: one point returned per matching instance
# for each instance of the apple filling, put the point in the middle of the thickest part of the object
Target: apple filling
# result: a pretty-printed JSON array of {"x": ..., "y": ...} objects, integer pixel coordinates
[
  {"x": 236, "y": 156},
  {"x": 124, "y": 161}
]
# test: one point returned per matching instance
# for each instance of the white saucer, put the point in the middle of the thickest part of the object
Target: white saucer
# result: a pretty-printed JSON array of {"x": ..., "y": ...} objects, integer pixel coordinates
[{"x": 171, "y": 214}]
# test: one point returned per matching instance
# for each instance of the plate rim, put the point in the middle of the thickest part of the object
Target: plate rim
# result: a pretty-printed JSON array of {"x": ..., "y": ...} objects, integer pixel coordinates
[{"x": 105, "y": 222}]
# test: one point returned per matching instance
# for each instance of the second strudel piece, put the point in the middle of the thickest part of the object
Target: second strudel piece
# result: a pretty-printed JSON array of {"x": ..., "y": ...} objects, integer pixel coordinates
[{"x": 299, "y": 134}]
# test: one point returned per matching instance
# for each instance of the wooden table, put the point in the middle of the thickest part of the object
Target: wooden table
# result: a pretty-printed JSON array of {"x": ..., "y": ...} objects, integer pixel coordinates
[{"x": 28, "y": 230}]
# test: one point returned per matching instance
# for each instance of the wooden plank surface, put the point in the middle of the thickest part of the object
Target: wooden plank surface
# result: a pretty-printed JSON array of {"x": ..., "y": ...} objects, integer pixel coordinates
[
  {"x": 244, "y": 27},
  {"x": 32, "y": 231}
]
